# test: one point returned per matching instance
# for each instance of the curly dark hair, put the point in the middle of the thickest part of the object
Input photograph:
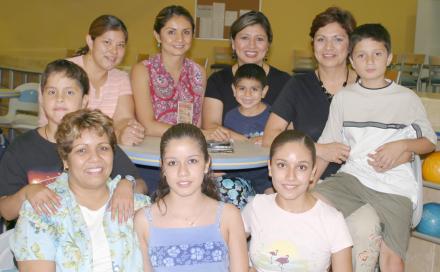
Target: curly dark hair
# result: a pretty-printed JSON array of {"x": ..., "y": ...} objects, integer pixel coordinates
[
  {"x": 74, "y": 123},
  {"x": 333, "y": 15}
]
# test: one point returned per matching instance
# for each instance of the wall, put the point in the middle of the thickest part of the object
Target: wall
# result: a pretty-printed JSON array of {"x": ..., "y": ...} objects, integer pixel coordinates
[
  {"x": 48, "y": 24},
  {"x": 427, "y": 37}
]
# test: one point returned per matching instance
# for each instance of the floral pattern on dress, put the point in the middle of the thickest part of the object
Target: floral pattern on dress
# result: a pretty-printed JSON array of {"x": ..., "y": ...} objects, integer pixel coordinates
[
  {"x": 188, "y": 254},
  {"x": 64, "y": 237},
  {"x": 235, "y": 190},
  {"x": 166, "y": 94}
]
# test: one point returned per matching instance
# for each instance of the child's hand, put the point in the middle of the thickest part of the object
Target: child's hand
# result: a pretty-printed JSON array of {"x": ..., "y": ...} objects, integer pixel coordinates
[
  {"x": 256, "y": 140},
  {"x": 132, "y": 134},
  {"x": 42, "y": 199},
  {"x": 221, "y": 134},
  {"x": 333, "y": 152},
  {"x": 122, "y": 201},
  {"x": 386, "y": 156}
]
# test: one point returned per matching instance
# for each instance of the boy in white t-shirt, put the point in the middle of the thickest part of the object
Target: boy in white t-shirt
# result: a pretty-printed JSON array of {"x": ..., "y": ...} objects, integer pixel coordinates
[{"x": 380, "y": 121}]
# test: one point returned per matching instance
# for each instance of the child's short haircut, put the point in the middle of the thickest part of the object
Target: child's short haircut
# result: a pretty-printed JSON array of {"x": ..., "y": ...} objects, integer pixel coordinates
[
  {"x": 376, "y": 32},
  {"x": 250, "y": 71},
  {"x": 70, "y": 70}
]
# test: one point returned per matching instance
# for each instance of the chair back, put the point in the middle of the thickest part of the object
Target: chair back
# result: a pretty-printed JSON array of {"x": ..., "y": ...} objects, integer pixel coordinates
[
  {"x": 23, "y": 110},
  {"x": 303, "y": 61},
  {"x": 27, "y": 102},
  {"x": 202, "y": 62},
  {"x": 223, "y": 55},
  {"x": 409, "y": 67},
  {"x": 434, "y": 73},
  {"x": 6, "y": 255}
]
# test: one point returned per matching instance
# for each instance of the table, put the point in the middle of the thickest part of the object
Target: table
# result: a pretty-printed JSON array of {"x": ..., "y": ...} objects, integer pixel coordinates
[
  {"x": 8, "y": 93},
  {"x": 245, "y": 156}
]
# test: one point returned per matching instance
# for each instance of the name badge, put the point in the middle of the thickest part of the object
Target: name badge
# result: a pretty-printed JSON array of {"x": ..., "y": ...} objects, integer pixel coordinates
[{"x": 184, "y": 112}]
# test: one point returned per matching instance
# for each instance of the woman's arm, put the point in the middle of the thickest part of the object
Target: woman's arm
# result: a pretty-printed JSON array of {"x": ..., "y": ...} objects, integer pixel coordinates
[
  {"x": 127, "y": 129},
  {"x": 236, "y": 239},
  {"x": 212, "y": 113},
  {"x": 140, "y": 83},
  {"x": 42, "y": 199},
  {"x": 141, "y": 229},
  {"x": 341, "y": 261},
  {"x": 203, "y": 71},
  {"x": 274, "y": 126},
  {"x": 333, "y": 152},
  {"x": 36, "y": 266}
]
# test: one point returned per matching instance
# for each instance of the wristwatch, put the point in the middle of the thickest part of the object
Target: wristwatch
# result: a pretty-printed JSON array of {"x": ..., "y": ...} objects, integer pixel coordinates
[{"x": 132, "y": 180}]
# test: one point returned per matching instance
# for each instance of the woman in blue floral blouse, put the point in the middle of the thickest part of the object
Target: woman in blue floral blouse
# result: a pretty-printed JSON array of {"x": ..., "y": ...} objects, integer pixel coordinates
[{"x": 80, "y": 236}]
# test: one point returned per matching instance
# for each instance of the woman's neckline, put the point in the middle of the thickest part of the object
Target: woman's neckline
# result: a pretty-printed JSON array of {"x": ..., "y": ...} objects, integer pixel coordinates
[
  {"x": 322, "y": 83},
  {"x": 313, "y": 202}
]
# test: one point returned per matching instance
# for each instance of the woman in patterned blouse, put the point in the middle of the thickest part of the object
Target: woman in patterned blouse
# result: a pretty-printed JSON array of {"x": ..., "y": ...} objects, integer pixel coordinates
[{"x": 168, "y": 87}]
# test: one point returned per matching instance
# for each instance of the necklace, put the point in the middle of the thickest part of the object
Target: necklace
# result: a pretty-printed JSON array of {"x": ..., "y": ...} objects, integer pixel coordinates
[
  {"x": 45, "y": 133},
  {"x": 328, "y": 94},
  {"x": 191, "y": 220}
]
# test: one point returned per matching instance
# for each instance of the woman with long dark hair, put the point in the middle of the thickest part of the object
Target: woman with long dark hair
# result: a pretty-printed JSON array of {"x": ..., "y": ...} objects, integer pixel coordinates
[{"x": 187, "y": 228}]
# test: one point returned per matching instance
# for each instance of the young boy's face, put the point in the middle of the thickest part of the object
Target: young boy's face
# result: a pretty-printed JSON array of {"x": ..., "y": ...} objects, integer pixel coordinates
[
  {"x": 61, "y": 95},
  {"x": 370, "y": 59},
  {"x": 249, "y": 92}
]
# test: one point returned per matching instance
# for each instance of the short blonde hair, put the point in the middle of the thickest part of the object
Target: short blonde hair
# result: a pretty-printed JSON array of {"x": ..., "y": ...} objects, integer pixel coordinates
[{"x": 74, "y": 123}]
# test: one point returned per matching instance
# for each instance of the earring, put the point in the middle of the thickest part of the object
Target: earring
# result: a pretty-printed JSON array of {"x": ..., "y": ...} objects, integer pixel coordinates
[
  {"x": 65, "y": 169},
  {"x": 234, "y": 55},
  {"x": 158, "y": 44}
]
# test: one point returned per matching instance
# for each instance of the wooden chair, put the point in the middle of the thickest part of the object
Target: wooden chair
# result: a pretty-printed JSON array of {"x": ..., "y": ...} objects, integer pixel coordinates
[
  {"x": 202, "y": 62},
  {"x": 303, "y": 61},
  {"x": 222, "y": 58},
  {"x": 434, "y": 73}
]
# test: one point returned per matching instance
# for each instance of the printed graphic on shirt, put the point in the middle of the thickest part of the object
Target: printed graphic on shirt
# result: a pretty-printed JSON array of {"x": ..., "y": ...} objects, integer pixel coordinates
[
  {"x": 280, "y": 256},
  {"x": 44, "y": 177}
]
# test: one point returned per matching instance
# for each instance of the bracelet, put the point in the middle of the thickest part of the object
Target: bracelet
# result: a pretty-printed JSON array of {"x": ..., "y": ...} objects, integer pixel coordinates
[{"x": 132, "y": 180}]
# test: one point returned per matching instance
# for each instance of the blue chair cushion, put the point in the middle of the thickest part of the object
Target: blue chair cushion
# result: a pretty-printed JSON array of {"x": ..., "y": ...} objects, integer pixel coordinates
[{"x": 29, "y": 96}]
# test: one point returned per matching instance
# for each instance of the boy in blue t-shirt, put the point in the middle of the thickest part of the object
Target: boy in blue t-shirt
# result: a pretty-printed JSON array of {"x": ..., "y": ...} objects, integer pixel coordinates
[
  {"x": 249, "y": 119},
  {"x": 250, "y": 87}
]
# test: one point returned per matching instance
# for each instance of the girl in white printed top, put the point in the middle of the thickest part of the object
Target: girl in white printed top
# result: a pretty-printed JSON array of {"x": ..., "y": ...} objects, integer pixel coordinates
[{"x": 291, "y": 230}]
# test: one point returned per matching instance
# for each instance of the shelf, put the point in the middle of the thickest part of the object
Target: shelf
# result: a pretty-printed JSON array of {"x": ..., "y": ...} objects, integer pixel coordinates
[{"x": 425, "y": 237}]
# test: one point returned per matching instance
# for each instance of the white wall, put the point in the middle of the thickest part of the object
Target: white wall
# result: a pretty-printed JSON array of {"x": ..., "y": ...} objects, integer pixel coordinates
[{"x": 427, "y": 39}]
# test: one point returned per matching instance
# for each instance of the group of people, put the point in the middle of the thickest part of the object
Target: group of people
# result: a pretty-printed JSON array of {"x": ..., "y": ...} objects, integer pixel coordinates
[{"x": 75, "y": 192}]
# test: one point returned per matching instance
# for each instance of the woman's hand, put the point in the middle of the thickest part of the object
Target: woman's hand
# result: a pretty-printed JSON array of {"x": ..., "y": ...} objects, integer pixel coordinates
[
  {"x": 388, "y": 156},
  {"x": 122, "y": 202},
  {"x": 42, "y": 199},
  {"x": 221, "y": 134},
  {"x": 132, "y": 134},
  {"x": 333, "y": 152}
]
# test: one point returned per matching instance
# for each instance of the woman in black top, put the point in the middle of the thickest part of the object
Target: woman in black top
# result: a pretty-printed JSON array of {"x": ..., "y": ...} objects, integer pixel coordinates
[
  {"x": 305, "y": 98},
  {"x": 251, "y": 36}
]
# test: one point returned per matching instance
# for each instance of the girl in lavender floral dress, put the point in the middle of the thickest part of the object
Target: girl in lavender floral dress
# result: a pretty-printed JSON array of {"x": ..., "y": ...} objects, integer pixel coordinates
[{"x": 187, "y": 228}]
